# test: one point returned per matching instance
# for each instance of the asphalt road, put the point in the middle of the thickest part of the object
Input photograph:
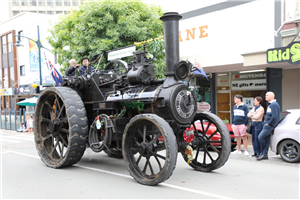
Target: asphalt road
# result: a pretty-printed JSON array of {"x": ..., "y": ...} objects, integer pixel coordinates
[{"x": 97, "y": 176}]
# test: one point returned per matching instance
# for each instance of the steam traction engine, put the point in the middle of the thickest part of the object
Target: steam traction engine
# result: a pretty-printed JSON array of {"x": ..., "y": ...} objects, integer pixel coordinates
[{"x": 129, "y": 114}]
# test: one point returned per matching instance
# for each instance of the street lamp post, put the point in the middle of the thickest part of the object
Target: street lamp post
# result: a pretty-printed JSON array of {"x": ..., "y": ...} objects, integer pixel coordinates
[{"x": 39, "y": 45}]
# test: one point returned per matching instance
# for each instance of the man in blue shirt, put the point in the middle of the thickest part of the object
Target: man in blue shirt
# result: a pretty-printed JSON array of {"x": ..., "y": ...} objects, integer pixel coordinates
[
  {"x": 239, "y": 123},
  {"x": 85, "y": 66},
  {"x": 271, "y": 120}
]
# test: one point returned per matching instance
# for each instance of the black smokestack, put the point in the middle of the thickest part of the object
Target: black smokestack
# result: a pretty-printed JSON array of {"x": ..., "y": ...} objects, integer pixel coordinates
[{"x": 171, "y": 33}]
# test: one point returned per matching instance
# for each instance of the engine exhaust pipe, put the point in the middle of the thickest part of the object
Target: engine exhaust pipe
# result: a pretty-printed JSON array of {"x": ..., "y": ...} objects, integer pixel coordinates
[{"x": 171, "y": 33}]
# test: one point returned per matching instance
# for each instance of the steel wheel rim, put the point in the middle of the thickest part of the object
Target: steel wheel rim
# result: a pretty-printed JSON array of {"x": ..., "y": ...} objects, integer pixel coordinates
[
  {"x": 201, "y": 159},
  {"x": 54, "y": 129},
  {"x": 144, "y": 148}
]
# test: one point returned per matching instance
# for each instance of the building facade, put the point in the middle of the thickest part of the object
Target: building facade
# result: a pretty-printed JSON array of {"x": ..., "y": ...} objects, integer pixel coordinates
[
  {"x": 19, "y": 67},
  {"x": 230, "y": 41},
  {"x": 51, "y": 7}
]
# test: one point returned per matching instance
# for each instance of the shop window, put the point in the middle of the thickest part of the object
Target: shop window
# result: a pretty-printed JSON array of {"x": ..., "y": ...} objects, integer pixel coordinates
[
  {"x": 50, "y": 3},
  {"x": 15, "y": 2},
  {"x": 223, "y": 81},
  {"x": 33, "y": 2},
  {"x": 22, "y": 70},
  {"x": 58, "y": 2},
  {"x": 24, "y": 2},
  {"x": 223, "y": 97},
  {"x": 9, "y": 42},
  {"x": 41, "y": 2},
  {"x": 59, "y": 12},
  {"x": 74, "y": 2},
  {"x": 67, "y": 2},
  {"x": 3, "y": 40},
  {"x": 50, "y": 12}
]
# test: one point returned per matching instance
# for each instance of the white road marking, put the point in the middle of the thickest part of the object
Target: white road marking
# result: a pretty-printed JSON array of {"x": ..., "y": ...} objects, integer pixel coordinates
[
  {"x": 127, "y": 176},
  {"x": 13, "y": 141},
  {"x": 18, "y": 138}
]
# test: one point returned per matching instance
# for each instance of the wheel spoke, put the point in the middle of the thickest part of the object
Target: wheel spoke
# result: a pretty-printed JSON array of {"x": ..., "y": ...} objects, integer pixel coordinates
[
  {"x": 47, "y": 137},
  {"x": 144, "y": 132},
  {"x": 214, "y": 141},
  {"x": 60, "y": 111},
  {"x": 209, "y": 155},
  {"x": 54, "y": 148},
  {"x": 63, "y": 140},
  {"x": 150, "y": 166},
  {"x": 204, "y": 157},
  {"x": 49, "y": 107},
  {"x": 215, "y": 149},
  {"x": 145, "y": 167},
  {"x": 46, "y": 120},
  {"x": 158, "y": 162},
  {"x": 198, "y": 149},
  {"x": 195, "y": 128},
  {"x": 207, "y": 128},
  {"x": 64, "y": 130},
  {"x": 156, "y": 138},
  {"x": 138, "y": 160},
  {"x": 202, "y": 125},
  {"x": 160, "y": 156}
]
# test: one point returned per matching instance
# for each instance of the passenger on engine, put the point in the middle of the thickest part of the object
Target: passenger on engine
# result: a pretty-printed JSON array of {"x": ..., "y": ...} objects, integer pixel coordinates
[
  {"x": 70, "y": 71},
  {"x": 85, "y": 66}
]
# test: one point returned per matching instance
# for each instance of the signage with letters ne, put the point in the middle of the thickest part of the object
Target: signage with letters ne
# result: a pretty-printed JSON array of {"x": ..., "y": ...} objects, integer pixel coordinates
[{"x": 290, "y": 54}]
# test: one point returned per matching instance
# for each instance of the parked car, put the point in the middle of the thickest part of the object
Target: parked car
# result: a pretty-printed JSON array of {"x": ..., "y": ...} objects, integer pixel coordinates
[{"x": 285, "y": 139}]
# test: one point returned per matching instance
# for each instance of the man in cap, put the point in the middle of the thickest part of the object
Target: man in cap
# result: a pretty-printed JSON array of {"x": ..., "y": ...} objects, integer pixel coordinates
[{"x": 85, "y": 66}]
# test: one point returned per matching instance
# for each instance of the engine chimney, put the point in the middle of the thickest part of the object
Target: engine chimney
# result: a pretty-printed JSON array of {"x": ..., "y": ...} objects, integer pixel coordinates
[{"x": 171, "y": 33}]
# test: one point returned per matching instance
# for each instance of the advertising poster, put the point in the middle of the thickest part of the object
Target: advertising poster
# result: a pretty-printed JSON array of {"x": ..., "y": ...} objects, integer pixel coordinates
[
  {"x": 34, "y": 56},
  {"x": 249, "y": 102}
]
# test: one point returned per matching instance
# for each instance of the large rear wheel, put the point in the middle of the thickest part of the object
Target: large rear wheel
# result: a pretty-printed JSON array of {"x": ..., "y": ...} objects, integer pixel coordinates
[
  {"x": 149, "y": 149},
  {"x": 60, "y": 127}
]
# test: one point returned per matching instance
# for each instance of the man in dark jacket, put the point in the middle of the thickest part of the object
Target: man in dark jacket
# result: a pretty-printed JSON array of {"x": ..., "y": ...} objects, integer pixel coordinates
[
  {"x": 85, "y": 66},
  {"x": 239, "y": 123},
  {"x": 70, "y": 71},
  {"x": 271, "y": 120}
]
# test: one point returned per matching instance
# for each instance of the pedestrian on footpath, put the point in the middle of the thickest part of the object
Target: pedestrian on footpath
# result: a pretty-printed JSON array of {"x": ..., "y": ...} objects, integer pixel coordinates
[
  {"x": 239, "y": 123},
  {"x": 256, "y": 114},
  {"x": 271, "y": 120}
]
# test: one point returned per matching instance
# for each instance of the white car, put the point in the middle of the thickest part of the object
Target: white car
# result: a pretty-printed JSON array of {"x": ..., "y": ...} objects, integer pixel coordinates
[{"x": 285, "y": 139}]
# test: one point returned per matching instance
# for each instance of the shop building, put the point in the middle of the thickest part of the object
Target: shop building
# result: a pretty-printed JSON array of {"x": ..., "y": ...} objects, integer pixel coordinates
[
  {"x": 230, "y": 41},
  {"x": 19, "y": 67}
]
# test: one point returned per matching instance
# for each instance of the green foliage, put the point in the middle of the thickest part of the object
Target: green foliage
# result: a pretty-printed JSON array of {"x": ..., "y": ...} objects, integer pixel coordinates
[{"x": 107, "y": 25}]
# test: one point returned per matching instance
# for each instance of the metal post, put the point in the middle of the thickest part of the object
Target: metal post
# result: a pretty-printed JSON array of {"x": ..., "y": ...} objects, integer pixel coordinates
[
  {"x": 10, "y": 119},
  {"x": 39, "y": 47},
  {"x": 15, "y": 111},
  {"x": 20, "y": 115},
  {"x": 0, "y": 118},
  {"x": 24, "y": 119},
  {"x": 4, "y": 118}
]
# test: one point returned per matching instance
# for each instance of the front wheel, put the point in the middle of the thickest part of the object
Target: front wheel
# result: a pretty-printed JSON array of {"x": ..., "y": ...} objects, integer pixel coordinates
[
  {"x": 211, "y": 144},
  {"x": 149, "y": 149},
  {"x": 289, "y": 151}
]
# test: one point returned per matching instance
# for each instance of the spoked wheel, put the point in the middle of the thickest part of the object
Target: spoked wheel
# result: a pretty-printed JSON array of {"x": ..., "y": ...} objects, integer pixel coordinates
[
  {"x": 61, "y": 127},
  {"x": 211, "y": 144},
  {"x": 289, "y": 151},
  {"x": 149, "y": 149}
]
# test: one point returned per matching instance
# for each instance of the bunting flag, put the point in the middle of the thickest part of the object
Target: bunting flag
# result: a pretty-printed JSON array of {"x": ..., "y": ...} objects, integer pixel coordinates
[
  {"x": 56, "y": 76},
  {"x": 200, "y": 70}
]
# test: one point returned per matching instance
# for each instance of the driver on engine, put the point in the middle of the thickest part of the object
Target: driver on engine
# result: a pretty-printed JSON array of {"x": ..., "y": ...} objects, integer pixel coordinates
[{"x": 85, "y": 66}]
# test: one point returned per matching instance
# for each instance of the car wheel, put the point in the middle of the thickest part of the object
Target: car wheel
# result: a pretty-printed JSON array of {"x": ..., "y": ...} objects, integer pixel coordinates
[{"x": 289, "y": 151}]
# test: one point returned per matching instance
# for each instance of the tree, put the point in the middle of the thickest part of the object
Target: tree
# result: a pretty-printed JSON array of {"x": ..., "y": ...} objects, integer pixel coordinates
[{"x": 107, "y": 25}]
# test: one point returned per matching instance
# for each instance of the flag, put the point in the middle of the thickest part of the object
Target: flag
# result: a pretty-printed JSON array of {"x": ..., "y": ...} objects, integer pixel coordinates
[
  {"x": 55, "y": 75},
  {"x": 200, "y": 70}
]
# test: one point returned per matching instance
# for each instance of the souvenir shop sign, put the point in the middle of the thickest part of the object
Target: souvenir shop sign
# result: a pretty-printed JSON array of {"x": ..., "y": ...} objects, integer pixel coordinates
[
  {"x": 290, "y": 54},
  {"x": 258, "y": 84}
]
